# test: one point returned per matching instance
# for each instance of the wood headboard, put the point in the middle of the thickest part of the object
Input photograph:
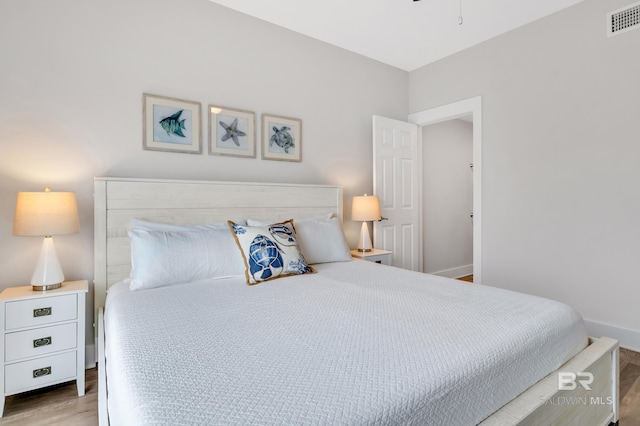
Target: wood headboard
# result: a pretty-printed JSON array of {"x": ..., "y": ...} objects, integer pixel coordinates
[{"x": 187, "y": 202}]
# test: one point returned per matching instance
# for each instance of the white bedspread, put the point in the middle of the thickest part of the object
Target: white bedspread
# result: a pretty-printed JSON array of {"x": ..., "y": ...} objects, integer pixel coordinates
[{"x": 355, "y": 344}]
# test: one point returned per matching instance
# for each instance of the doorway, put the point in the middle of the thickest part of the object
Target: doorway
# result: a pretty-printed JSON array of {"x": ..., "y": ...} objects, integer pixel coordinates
[
  {"x": 447, "y": 198},
  {"x": 472, "y": 107}
]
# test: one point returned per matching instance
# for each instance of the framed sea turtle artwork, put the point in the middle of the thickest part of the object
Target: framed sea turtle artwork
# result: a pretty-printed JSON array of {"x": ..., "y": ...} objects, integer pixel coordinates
[
  {"x": 171, "y": 124},
  {"x": 281, "y": 138},
  {"x": 232, "y": 132}
]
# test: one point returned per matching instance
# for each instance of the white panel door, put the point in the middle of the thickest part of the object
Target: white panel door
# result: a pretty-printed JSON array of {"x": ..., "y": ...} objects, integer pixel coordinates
[{"x": 397, "y": 176}]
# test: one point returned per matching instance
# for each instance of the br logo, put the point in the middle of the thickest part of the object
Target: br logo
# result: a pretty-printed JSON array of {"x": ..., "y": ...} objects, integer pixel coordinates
[{"x": 569, "y": 381}]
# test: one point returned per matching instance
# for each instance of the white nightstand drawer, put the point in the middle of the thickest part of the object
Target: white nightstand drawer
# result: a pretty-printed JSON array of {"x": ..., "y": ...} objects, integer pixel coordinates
[
  {"x": 375, "y": 256},
  {"x": 40, "y": 311},
  {"x": 39, "y": 372},
  {"x": 40, "y": 341},
  {"x": 380, "y": 258}
]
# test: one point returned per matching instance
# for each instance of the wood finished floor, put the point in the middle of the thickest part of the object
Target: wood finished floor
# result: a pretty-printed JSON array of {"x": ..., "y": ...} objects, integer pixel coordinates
[
  {"x": 629, "y": 388},
  {"x": 60, "y": 405},
  {"x": 55, "y": 405}
]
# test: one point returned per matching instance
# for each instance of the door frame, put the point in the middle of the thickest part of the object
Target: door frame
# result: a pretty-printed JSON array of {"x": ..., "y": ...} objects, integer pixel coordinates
[{"x": 452, "y": 111}]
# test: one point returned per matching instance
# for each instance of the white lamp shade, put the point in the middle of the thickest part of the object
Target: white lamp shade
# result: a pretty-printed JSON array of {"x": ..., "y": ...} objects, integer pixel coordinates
[
  {"x": 46, "y": 213},
  {"x": 365, "y": 208}
]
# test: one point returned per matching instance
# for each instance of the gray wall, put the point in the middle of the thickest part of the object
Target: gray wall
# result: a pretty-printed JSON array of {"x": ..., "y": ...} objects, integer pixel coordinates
[
  {"x": 71, "y": 84},
  {"x": 561, "y": 155},
  {"x": 447, "y": 197}
]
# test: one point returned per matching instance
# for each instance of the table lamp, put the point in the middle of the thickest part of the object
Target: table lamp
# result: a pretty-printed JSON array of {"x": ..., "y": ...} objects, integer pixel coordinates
[
  {"x": 365, "y": 208},
  {"x": 45, "y": 214}
]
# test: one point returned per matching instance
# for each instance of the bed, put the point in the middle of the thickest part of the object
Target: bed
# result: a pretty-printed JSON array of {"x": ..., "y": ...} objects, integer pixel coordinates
[{"x": 353, "y": 343}]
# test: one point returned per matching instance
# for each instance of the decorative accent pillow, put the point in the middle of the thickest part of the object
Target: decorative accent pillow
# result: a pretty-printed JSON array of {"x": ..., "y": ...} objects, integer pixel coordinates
[
  {"x": 320, "y": 239},
  {"x": 161, "y": 258},
  {"x": 270, "y": 251}
]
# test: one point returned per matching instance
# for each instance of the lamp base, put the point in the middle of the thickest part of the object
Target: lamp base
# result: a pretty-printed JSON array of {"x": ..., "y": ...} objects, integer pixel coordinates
[
  {"x": 48, "y": 273},
  {"x": 364, "y": 241},
  {"x": 46, "y": 287},
  {"x": 365, "y": 250}
]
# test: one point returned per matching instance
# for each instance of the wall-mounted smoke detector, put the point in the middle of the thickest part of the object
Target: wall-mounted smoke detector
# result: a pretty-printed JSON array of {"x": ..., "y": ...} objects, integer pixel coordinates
[{"x": 623, "y": 20}]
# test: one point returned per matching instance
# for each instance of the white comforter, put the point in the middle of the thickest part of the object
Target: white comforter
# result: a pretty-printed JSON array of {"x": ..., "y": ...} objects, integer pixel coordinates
[{"x": 355, "y": 344}]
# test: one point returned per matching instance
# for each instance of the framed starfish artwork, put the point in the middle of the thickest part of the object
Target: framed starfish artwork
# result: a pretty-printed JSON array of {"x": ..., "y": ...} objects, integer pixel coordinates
[
  {"x": 232, "y": 132},
  {"x": 281, "y": 138},
  {"x": 170, "y": 124}
]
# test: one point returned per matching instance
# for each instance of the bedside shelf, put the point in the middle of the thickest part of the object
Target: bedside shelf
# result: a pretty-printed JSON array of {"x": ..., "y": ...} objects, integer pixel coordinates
[
  {"x": 42, "y": 340},
  {"x": 375, "y": 255}
]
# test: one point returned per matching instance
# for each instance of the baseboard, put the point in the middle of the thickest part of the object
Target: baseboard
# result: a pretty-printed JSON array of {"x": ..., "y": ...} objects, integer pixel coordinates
[
  {"x": 460, "y": 271},
  {"x": 629, "y": 339}
]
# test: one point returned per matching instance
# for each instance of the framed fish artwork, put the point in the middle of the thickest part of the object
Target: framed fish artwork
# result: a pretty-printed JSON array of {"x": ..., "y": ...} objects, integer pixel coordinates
[
  {"x": 232, "y": 132},
  {"x": 171, "y": 124},
  {"x": 281, "y": 138}
]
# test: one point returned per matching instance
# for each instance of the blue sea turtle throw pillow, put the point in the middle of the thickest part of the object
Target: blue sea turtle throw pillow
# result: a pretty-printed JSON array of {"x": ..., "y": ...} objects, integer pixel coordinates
[{"x": 270, "y": 251}]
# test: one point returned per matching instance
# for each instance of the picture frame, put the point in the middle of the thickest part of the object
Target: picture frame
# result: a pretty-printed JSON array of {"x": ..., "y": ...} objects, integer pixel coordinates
[
  {"x": 232, "y": 132},
  {"x": 171, "y": 124},
  {"x": 281, "y": 138}
]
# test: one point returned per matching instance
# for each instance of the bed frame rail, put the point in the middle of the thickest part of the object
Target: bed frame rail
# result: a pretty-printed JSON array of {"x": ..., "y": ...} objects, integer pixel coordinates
[
  {"x": 103, "y": 410},
  {"x": 589, "y": 395}
]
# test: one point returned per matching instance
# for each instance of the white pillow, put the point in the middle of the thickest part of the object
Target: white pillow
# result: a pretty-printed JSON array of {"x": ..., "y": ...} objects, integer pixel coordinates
[
  {"x": 321, "y": 239},
  {"x": 161, "y": 258}
]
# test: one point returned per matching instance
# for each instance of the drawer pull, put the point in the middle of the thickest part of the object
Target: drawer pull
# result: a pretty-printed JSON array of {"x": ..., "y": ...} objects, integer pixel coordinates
[
  {"x": 43, "y": 341},
  {"x": 42, "y": 312},
  {"x": 39, "y": 372}
]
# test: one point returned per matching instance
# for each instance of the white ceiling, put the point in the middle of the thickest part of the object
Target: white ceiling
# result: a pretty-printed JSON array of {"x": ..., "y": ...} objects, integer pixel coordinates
[{"x": 401, "y": 33}]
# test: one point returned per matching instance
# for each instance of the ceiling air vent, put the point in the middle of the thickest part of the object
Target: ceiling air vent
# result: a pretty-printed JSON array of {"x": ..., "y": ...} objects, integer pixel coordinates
[{"x": 622, "y": 20}]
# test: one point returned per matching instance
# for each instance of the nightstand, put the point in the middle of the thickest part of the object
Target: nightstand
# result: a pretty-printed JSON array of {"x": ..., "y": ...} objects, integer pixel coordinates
[
  {"x": 375, "y": 255},
  {"x": 42, "y": 337}
]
